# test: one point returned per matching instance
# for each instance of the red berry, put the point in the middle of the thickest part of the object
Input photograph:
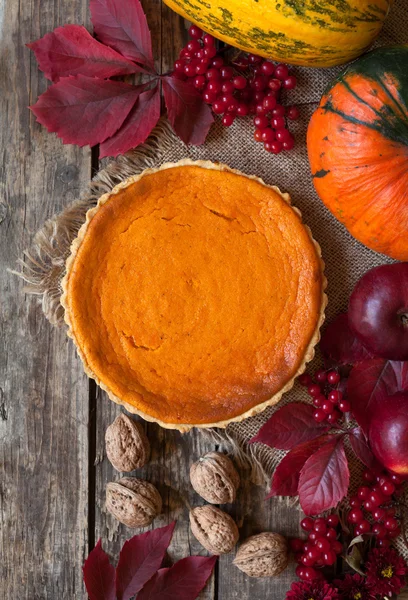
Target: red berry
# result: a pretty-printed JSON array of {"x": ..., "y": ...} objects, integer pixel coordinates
[
  {"x": 368, "y": 476},
  {"x": 258, "y": 135},
  {"x": 269, "y": 103},
  {"x": 306, "y": 561},
  {"x": 329, "y": 558},
  {"x": 364, "y": 526},
  {"x": 210, "y": 51},
  {"x": 333, "y": 417},
  {"x": 279, "y": 111},
  {"x": 281, "y": 72},
  {"x": 218, "y": 107},
  {"x": 355, "y": 501},
  {"x": 200, "y": 54},
  {"x": 214, "y": 86},
  {"x": 319, "y": 415},
  {"x": 208, "y": 40},
  {"x": 259, "y": 109},
  {"x": 283, "y": 135},
  {"x": 296, "y": 545},
  {"x": 333, "y": 520},
  {"x": 318, "y": 400},
  {"x": 379, "y": 530},
  {"x": 383, "y": 543},
  {"x": 314, "y": 389},
  {"x": 213, "y": 74},
  {"x": 254, "y": 59},
  {"x": 279, "y": 123},
  {"x": 267, "y": 68},
  {"x": 320, "y": 375},
  {"x": 379, "y": 514},
  {"x": 261, "y": 121},
  {"x": 331, "y": 534},
  {"x": 258, "y": 97},
  {"x": 394, "y": 533},
  {"x": 320, "y": 526},
  {"x": 390, "y": 523},
  {"x": 397, "y": 479},
  {"x": 218, "y": 63},
  {"x": 268, "y": 135},
  {"x": 363, "y": 492},
  {"x": 293, "y": 114},
  {"x": 226, "y": 72},
  {"x": 323, "y": 544},
  {"x": 179, "y": 66},
  {"x": 228, "y": 119},
  {"x": 290, "y": 82},
  {"x": 355, "y": 516},
  {"x": 289, "y": 143},
  {"x": 201, "y": 69},
  {"x": 337, "y": 547},
  {"x": 313, "y": 536},
  {"x": 333, "y": 377},
  {"x": 376, "y": 498},
  {"x": 313, "y": 554},
  {"x": 300, "y": 572},
  {"x": 195, "y": 32},
  {"x": 190, "y": 70},
  {"x": 227, "y": 87},
  {"x": 199, "y": 82},
  {"x": 184, "y": 53},
  {"x": 327, "y": 407},
  {"x": 304, "y": 379},
  {"x": 232, "y": 105},
  {"x": 193, "y": 46},
  {"x": 387, "y": 488},
  {"x": 368, "y": 506},
  {"x": 209, "y": 97},
  {"x": 274, "y": 85},
  {"x": 242, "y": 110},
  {"x": 344, "y": 406},
  {"x": 239, "y": 82},
  {"x": 335, "y": 396}
]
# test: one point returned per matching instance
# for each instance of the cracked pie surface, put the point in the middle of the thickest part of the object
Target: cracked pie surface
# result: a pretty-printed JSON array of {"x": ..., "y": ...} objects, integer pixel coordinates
[{"x": 194, "y": 294}]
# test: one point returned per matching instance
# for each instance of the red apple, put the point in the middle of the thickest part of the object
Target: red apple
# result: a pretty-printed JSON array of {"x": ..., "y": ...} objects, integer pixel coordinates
[
  {"x": 378, "y": 311},
  {"x": 388, "y": 433}
]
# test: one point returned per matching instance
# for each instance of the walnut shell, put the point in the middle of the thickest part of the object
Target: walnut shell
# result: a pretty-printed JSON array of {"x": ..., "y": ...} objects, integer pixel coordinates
[
  {"x": 214, "y": 529},
  {"x": 133, "y": 502},
  {"x": 263, "y": 555},
  {"x": 215, "y": 478},
  {"x": 127, "y": 446}
]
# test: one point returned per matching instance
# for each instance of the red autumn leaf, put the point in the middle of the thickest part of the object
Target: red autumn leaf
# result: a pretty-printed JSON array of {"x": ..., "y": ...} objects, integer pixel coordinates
[
  {"x": 71, "y": 50},
  {"x": 325, "y": 477},
  {"x": 289, "y": 426},
  {"x": 341, "y": 345},
  {"x": 83, "y": 110},
  {"x": 184, "y": 580},
  {"x": 361, "y": 448},
  {"x": 140, "y": 558},
  {"x": 136, "y": 127},
  {"x": 371, "y": 381},
  {"x": 123, "y": 26},
  {"x": 285, "y": 479},
  {"x": 99, "y": 575},
  {"x": 188, "y": 114}
]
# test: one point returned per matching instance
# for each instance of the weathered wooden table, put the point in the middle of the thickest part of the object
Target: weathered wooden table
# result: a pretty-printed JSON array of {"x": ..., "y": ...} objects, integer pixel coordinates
[{"x": 52, "y": 418}]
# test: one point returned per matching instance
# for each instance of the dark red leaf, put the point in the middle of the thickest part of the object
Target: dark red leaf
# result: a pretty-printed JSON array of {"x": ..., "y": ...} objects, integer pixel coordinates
[
  {"x": 83, "y": 110},
  {"x": 136, "y": 127},
  {"x": 289, "y": 426},
  {"x": 361, "y": 448},
  {"x": 190, "y": 117},
  {"x": 286, "y": 477},
  {"x": 371, "y": 381},
  {"x": 71, "y": 50},
  {"x": 341, "y": 345},
  {"x": 140, "y": 558},
  {"x": 123, "y": 26},
  {"x": 99, "y": 575},
  {"x": 325, "y": 477},
  {"x": 183, "y": 581}
]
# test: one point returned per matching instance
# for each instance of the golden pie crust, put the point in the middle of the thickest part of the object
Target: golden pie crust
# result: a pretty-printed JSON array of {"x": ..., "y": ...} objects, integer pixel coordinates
[{"x": 194, "y": 294}]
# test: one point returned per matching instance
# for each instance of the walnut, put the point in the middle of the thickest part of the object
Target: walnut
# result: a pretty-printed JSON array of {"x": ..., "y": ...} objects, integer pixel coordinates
[
  {"x": 263, "y": 555},
  {"x": 133, "y": 502},
  {"x": 215, "y": 478},
  {"x": 127, "y": 446},
  {"x": 214, "y": 529}
]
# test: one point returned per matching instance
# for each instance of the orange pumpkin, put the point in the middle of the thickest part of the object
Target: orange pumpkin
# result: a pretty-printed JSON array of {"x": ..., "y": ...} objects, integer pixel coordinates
[{"x": 358, "y": 150}]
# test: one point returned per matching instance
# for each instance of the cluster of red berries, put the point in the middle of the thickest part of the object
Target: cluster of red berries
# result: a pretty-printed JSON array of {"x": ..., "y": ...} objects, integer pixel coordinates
[
  {"x": 327, "y": 398},
  {"x": 374, "y": 499},
  {"x": 319, "y": 550},
  {"x": 249, "y": 86}
]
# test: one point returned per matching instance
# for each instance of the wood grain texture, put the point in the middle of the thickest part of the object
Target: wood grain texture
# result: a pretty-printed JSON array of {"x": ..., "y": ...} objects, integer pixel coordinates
[{"x": 44, "y": 394}]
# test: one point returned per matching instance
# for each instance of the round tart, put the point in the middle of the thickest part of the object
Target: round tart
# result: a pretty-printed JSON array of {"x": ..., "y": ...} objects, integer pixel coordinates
[{"x": 194, "y": 294}]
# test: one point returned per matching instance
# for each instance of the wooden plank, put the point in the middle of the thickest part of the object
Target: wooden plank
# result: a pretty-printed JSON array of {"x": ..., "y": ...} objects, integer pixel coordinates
[{"x": 44, "y": 393}]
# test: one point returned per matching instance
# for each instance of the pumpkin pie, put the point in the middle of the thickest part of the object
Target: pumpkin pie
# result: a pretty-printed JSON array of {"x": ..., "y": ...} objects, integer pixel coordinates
[{"x": 194, "y": 294}]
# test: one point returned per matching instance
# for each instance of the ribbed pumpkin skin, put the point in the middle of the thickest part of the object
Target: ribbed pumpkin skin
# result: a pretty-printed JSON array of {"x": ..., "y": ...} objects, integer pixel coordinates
[
  {"x": 358, "y": 150},
  {"x": 313, "y": 33}
]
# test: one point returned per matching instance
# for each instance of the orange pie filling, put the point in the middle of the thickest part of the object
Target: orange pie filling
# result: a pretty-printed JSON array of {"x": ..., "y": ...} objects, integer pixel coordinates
[{"x": 195, "y": 294}]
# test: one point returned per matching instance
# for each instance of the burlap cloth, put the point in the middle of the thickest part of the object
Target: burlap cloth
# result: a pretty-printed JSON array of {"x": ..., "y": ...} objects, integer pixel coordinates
[{"x": 346, "y": 259}]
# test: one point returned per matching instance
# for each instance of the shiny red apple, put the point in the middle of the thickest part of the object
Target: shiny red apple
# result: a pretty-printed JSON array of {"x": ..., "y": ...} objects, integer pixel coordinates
[
  {"x": 378, "y": 311},
  {"x": 388, "y": 433}
]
